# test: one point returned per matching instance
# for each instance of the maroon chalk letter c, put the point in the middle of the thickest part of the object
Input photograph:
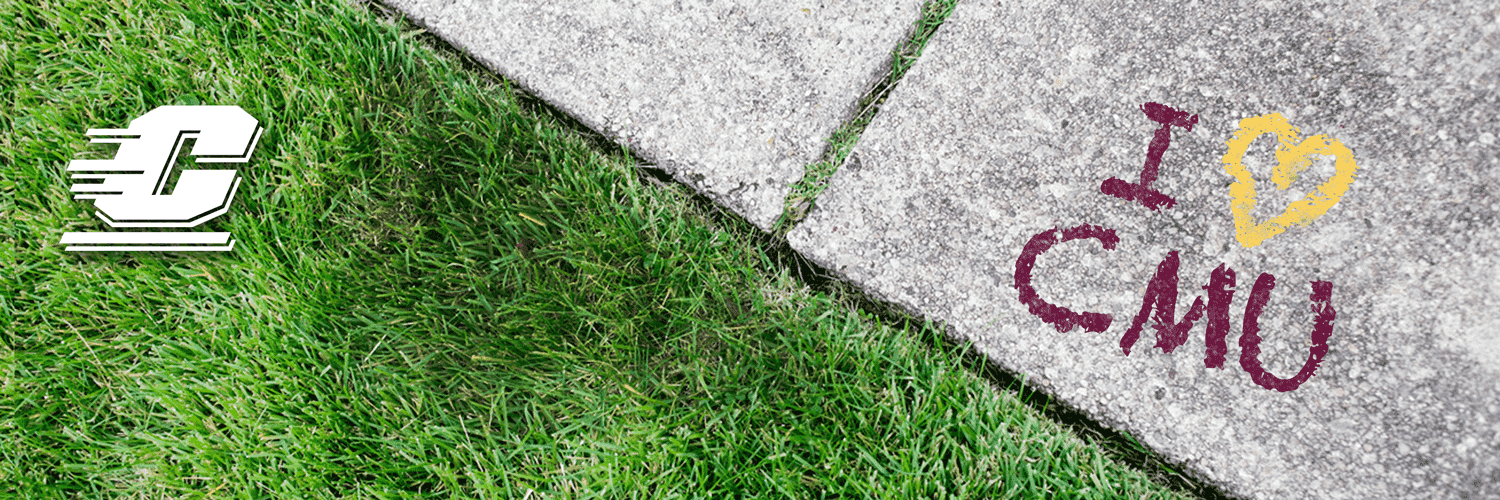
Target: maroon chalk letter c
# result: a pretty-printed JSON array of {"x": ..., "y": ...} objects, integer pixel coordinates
[{"x": 1061, "y": 317}]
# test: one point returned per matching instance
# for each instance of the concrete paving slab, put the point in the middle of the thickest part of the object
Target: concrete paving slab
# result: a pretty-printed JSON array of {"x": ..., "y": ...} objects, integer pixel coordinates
[
  {"x": 731, "y": 97},
  {"x": 1351, "y": 353}
]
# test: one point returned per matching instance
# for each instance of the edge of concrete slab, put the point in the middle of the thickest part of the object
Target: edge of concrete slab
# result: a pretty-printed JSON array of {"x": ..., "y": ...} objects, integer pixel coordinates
[{"x": 1118, "y": 444}]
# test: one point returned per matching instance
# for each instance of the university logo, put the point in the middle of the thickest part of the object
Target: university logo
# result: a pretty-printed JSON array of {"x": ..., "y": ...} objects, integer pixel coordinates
[{"x": 129, "y": 190}]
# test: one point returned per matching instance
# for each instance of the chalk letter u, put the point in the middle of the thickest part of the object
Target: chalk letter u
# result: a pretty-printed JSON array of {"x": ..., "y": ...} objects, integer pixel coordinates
[{"x": 1250, "y": 341}]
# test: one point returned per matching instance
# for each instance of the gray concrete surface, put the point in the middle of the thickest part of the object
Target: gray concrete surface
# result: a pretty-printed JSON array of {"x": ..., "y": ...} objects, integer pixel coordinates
[
  {"x": 1018, "y": 112},
  {"x": 731, "y": 97}
]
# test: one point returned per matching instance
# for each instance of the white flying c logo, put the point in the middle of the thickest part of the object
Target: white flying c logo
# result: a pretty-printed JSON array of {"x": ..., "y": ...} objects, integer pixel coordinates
[{"x": 127, "y": 189}]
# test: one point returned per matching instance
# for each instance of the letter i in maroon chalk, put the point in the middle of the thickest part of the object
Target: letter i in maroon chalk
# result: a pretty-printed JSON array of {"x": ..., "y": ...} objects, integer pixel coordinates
[{"x": 1142, "y": 192}]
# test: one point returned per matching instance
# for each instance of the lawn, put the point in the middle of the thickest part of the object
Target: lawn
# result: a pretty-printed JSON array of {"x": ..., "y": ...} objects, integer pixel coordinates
[{"x": 439, "y": 290}]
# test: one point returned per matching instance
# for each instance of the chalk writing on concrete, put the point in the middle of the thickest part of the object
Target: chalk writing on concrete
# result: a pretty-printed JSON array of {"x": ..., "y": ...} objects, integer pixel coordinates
[{"x": 1158, "y": 306}]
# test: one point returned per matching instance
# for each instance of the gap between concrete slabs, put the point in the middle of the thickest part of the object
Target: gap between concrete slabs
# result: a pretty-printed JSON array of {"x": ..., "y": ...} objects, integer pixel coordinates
[
  {"x": 732, "y": 98},
  {"x": 803, "y": 194},
  {"x": 1042, "y": 104}
]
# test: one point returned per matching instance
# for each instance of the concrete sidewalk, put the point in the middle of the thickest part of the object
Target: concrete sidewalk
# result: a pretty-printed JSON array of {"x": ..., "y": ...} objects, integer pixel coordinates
[
  {"x": 1014, "y": 121},
  {"x": 1262, "y": 237}
]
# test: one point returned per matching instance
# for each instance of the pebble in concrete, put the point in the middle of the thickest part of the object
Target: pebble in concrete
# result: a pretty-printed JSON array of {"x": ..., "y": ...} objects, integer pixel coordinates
[
  {"x": 733, "y": 98},
  {"x": 1004, "y": 136}
]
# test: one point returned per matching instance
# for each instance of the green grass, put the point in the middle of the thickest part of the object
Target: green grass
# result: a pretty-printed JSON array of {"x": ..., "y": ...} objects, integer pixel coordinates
[
  {"x": 802, "y": 194},
  {"x": 437, "y": 292}
]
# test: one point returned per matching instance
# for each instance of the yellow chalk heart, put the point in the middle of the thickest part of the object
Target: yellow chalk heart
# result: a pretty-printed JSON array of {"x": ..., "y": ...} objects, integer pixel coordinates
[{"x": 1292, "y": 157}]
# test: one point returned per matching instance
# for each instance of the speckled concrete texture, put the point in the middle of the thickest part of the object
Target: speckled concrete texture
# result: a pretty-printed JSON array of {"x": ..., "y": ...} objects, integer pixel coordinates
[
  {"x": 1019, "y": 111},
  {"x": 731, "y": 97}
]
